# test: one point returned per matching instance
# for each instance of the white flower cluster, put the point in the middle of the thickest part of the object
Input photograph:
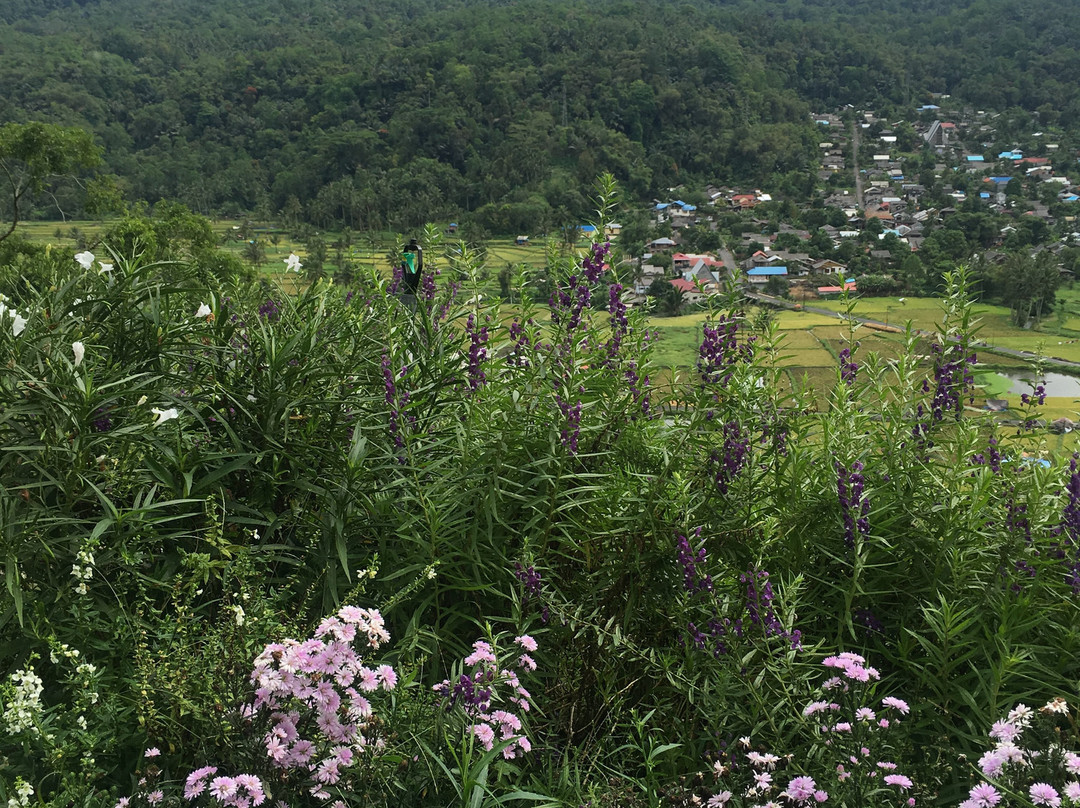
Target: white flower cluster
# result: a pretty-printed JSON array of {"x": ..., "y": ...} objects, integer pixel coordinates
[
  {"x": 21, "y": 713},
  {"x": 85, "y": 671},
  {"x": 86, "y": 260},
  {"x": 18, "y": 322},
  {"x": 83, "y": 569},
  {"x": 66, "y": 651},
  {"x": 23, "y": 792},
  {"x": 161, "y": 416}
]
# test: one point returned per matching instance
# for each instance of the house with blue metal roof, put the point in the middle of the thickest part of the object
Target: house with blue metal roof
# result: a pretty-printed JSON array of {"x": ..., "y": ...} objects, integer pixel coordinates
[{"x": 761, "y": 275}]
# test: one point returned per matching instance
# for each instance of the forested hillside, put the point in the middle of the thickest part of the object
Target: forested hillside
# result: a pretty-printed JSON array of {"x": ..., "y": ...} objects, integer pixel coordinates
[{"x": 389, "y": 113}]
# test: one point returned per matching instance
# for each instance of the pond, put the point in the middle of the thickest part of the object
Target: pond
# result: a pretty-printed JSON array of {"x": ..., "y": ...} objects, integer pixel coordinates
[{"x": 1057, "y": 384}]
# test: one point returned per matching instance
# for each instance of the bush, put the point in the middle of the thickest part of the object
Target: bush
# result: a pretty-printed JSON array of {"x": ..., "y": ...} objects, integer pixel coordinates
[{"x": 195, "y": 468}]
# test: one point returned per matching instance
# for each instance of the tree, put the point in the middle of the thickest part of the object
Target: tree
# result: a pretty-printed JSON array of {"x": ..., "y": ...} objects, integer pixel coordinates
[
  {"x": 913, "y": 274},
  {"x": 505, "y": 278},
  {"x": 33, "y": 153},
  {"x": 777, "y": 286},
  {"x": 877, "y": 285},
  {"x": 669, "y": 298},
  {"x": 1029, "y": 285},
  {"x": 254, "y": 252},
  {"x": 315, "y": 263}
]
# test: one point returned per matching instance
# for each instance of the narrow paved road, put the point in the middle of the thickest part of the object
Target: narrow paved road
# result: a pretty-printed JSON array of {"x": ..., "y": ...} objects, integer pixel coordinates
[
  {"x": 728, "y": 259},
  {"x": 855, "y": 162},
  {"x": 1027, "y": 356}
]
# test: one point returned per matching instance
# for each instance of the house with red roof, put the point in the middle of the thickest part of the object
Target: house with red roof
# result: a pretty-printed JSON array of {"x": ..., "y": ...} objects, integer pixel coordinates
[
  {"x": 690, "y": 290},
  {"x": 826, "y": 291}
]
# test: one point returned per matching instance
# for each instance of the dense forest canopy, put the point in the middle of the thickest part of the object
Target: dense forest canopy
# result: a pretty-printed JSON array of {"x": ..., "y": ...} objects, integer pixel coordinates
[{"x": 391, "y": 113}]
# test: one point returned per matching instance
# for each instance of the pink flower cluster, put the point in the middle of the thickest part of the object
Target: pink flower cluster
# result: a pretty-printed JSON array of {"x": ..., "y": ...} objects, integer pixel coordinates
[
  {"x": 475, "y": 694},
  {"x": 800, "y": 790},
  {"x": 850, "y": 741},
  {"x": 803, "y": 789},
  {"x": 316, "y": 688},
  {"x": 242, "y": 791},
  {"x": 1010, "y": 762},
  {"x": 852, "y": 666},
  {"x": 1005, "y": 734}
]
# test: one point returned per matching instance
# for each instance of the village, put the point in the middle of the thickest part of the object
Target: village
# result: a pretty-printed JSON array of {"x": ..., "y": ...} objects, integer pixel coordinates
[{"x": 895, "y": 202}]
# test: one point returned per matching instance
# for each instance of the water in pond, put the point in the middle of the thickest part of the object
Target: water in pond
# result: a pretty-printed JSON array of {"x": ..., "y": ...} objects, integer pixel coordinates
[{"x": 1057, "y": 384}]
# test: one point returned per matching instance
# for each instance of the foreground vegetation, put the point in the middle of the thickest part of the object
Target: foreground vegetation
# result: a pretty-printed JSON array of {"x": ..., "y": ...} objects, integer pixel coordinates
[{"x": 507, "y": 574}]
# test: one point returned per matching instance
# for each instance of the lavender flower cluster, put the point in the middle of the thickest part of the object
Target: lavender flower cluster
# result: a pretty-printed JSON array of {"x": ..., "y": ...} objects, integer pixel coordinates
[
  {"x": 854, "y": 505},
  {"x": 568, "y": 302},
  {"x": 571, "y": 423},
  {"x": 1038, "y": 395},
  {"x": 1067, "y": 549},
  {"x": 593, "y": 264},
  {"x": 728, "y": 463},
  {"x": 759, "y": 608},
  {"x": 953, "y": 379},
  {"x": 519, "y": 353},
  {"x": 270, "y": 310},
  {"x": 478, "y": 338},
  {"x": 638, "y": 387},
  {"x": 758, "y": 604},
  {"x": 620, "y": 325},
  {"x": 395, "y": 402},
  {"x": 427, "y": 286},
  {"x": 314, "y": 695},
  {"x": 992, "y": 458},
  {"x": 444, "y": 308},
  {"x": 531, "y": 588},
  {"x": 848, "y": 368},
  {"x": 720, "y": 350},
  {"x": 693, "y": 580},
  {"x": 477, "y": 692},
  {"x": 396, "y": 280},
  {"x": 775, "y": 431}
]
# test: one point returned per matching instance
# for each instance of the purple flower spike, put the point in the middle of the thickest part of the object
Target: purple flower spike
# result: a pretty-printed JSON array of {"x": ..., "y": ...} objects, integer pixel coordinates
[
  {"x": 477, "y": 353},
  {"x": 720, "y": 350},
  {"x": 854, "y": 506}
]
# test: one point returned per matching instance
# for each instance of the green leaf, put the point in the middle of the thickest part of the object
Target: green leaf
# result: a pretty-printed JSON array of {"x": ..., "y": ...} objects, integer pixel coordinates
[{"x": 14, "y": 585}]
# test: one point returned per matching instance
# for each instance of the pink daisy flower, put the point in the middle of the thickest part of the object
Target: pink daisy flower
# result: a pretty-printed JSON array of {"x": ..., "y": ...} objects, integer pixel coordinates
[
  {"x": 1044, "y": 794},
  {"x": 485, "y": 734},
  {"x": 897, "y": 704},
  {"x": 388, "y": 677},
  {"x": 526, "y": 642},
  {"x": 984, "y": 795}
]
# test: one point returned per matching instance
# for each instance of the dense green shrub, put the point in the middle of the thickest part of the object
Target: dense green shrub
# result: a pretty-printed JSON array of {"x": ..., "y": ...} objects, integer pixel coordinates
[{"x": 194, "y": 468}]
